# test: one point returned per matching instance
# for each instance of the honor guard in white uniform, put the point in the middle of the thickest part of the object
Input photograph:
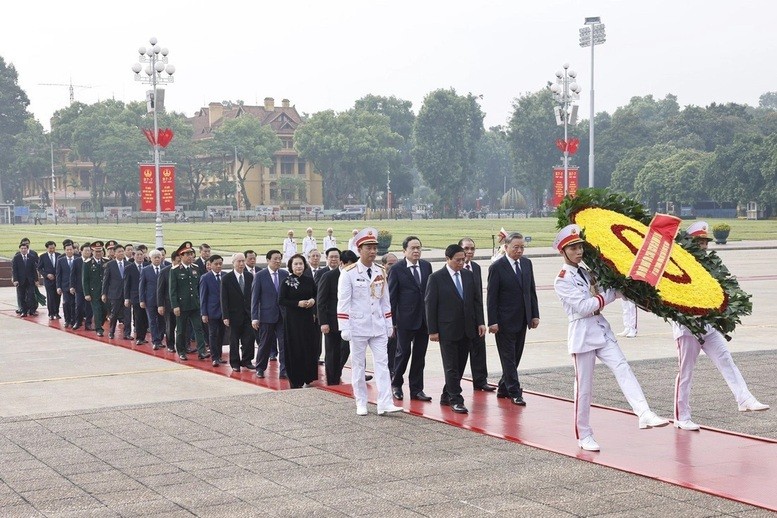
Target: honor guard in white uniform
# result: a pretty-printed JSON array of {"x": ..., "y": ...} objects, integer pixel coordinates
[
  {"x": 713, "y": 343},
  {"x": 289, "y": 247},
  {"x": 590, "y": 337},
  {"x": 308, "y": 242},
  {"x": 329, "y": 240},
  {"x": 364, "y": 319}
]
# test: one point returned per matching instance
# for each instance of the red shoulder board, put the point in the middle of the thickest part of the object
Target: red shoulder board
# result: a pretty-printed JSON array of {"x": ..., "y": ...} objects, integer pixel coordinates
[{"x": 561, "y": 274}]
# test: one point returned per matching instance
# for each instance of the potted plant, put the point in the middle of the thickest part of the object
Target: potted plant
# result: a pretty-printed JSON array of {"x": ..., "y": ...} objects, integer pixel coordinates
[
  {"x": 384, "y": 241},
  {"x": 720, "y": 232}
]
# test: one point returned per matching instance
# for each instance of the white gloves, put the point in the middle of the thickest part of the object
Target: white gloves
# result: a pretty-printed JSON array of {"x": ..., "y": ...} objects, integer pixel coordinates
[{"x": 346, "y": 335}]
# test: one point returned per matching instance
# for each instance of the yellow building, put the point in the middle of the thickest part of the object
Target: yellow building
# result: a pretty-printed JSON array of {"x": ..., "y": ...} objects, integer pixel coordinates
[{"x": 262, "y": 183}]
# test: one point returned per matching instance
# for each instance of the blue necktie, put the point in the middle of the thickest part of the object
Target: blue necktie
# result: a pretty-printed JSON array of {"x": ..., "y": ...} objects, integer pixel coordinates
[
  {"x": 458, "y": 285},
  {"x": 121, "y": 269}
]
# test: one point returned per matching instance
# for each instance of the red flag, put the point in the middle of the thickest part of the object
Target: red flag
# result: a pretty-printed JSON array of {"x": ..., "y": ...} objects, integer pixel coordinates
[
  {"x": 561, "y": 145},
  {"x": 653, "y": 255},
  {"x": 572, "y": 145},
  {"x": 165, "y": 136}
]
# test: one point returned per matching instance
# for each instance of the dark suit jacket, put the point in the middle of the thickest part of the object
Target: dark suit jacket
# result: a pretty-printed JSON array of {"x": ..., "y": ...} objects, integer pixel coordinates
[
  {"x": 264, "y": 298},
  {"x": 113, "y": 283},
  {"x": 163, "y": 289},
  {"x": 210, "y": 295},
  {"x": 511, "y": 306},
  {"x": 448, "y": 314},
  {"x": 45, "y": 267},
  {"x": 22, "y": 271},
  {"x": 147, "y": 287},
  {"x": 236, "y": 305},
  {"x": 63, "y": 274},
  {"x": 407, "y": 298},
  {"x": 201, "y": 266},
  {"x": 326, "y": 299},
  {"x": 75, "y": 274},
  {"x": 132, "y": 283}
]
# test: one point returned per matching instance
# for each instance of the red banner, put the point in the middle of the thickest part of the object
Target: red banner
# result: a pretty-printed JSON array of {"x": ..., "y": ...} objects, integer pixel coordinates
[
  {"x": 558, "y": 184},
  {"x": 148, "y": 187},
  {"x": 653, "y": 256}
]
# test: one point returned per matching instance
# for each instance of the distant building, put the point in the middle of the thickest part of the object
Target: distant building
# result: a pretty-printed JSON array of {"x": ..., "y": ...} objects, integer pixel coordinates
[{"x": 261, "y": 183}]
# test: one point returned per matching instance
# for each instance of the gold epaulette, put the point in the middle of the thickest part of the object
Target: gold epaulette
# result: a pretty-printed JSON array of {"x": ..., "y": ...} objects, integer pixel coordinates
[{"x": 350, "y": 266}]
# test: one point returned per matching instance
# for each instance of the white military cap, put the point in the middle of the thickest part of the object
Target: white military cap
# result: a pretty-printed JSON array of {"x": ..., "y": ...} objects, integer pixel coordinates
[
  {"x": 568, "y": 235},
  {"x": 367, "y": 236},
  {"x": 698, "y": 230}
]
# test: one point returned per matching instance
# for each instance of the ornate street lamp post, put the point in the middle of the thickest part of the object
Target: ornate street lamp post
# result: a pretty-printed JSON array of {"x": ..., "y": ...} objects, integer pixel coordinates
[
  {"x": 566, "y": 92},
  {"x": 592, "y": 35}
]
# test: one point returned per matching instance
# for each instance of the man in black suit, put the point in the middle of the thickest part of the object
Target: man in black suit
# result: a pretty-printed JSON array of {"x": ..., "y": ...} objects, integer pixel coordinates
[
  {"x": 24, "y": 273},
  {"x": 149, "y": 280},
  {"x": 407, "y": 285},
  {"x": 512, "y": 309},
  {"x": 326, "y": 310},
  {"x": 163, "y": 300},
  {"x": 47, "y": 266},
  {"x": 62, "y": 277},
  {"x": 236, "y": 313},
  {"x": 132, "y": 296},
  {"x": 202, "y": 261},
  {"x": 83, "y": 314},
  {"x": 477, "y": 355},
  {"x": 113, "y": 292},
  {"x": 454, "y": 315},
  {"x": 251, "y": 267}
]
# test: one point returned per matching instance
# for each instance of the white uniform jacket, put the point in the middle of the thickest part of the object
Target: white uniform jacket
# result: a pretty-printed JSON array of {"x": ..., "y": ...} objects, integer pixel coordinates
[
  {"x": 363, "y": 305},
  {"x": 289, "y": 249},
  {"x": 308, "y": 244},
  {"x": 588, "y": 330}
]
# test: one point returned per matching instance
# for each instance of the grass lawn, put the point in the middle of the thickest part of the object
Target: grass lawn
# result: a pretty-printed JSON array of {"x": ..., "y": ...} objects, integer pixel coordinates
[{"x": 239, "y": 236}]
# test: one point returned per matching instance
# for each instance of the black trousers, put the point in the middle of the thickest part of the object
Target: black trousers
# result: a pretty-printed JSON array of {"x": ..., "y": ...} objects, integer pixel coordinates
[
  {"x": 510, "y": 347},
  {"x": 119, "y": 312},
  {"x": 241, "y": 343},
  {"x": 52, "y": 298},
  {"x": 477, "y": 362},
  {"x": 414, "y": 354},
  {"x": 333, "y": 358},
  {"x": 69, "y": 307},
  {"x": 25, "y": 294},
  {"x": 216, "y": 330},
  {"x": 170, "y": 322},
  {"x": 140, "y": 320},
  {"x": 83, "y": 310},
  {"x": 271, "y": 336},
  {"x": 454, "y": 359}
]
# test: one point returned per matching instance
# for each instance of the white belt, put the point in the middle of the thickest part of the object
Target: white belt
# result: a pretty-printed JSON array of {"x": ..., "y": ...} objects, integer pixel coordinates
[{"x": 578, "y": 316}]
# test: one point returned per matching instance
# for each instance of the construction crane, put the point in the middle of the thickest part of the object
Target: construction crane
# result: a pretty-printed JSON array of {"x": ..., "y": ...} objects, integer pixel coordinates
[{"x": 71, "y": 87}]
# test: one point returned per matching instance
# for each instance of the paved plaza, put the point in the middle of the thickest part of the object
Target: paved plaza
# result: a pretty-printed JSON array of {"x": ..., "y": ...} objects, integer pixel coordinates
[{"x": 90, "y": 429}]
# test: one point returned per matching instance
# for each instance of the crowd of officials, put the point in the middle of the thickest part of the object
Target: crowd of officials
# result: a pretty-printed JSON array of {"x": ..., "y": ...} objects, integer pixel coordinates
[{"x": 352, "y": 301}]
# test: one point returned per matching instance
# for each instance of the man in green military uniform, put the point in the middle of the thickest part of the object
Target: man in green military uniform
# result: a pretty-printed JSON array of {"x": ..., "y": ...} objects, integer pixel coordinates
[
  {"x": 185, "y": 301},
  {"x": 92, "y": 280}
]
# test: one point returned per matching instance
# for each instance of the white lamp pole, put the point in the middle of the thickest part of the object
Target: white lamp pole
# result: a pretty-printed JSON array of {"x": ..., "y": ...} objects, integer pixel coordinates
[
  {"x": 566, "y": 92},
  {"x": 156, "y": 59},
  {"x": 592, "y": 35}
]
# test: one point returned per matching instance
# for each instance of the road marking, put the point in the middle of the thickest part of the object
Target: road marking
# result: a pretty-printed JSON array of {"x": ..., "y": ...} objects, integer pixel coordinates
[{"x": 87, "y": 376}]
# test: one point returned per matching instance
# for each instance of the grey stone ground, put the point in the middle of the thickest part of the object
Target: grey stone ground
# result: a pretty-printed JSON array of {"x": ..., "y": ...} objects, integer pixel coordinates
[{"x": 305, "y": 453}]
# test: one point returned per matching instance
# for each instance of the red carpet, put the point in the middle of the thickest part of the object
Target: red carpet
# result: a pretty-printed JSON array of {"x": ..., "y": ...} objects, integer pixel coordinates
[{"x": 721, "y": 463}]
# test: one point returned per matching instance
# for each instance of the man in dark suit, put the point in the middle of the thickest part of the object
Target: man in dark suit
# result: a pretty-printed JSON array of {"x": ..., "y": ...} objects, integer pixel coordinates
[
  {"x": 266, "y": 317},
  {"x": 236, "y": 313},
  {"x": 202, "y": 260},
  {"x": 24, "y": 273},
  {"x": 62, "y": 277},
  {"x": 83, "y": 312},
  {"x": 132, "y": 296},
  {"x": 326, "y": 311},
  {"x": 512, "y": 309},
  {"x": 407, "y": 285},
  {"x": 47, "y": 266},
  {"x": 251, "y": 267},
  {"x": 163, "y": 301},
  {"x": 113, "y": 292},
  {"x": 454, "y": 313},
  {"x": 477, "y": 355},
  {"x": 210, "y": 308},
  {"x": 149, "y": 280}
]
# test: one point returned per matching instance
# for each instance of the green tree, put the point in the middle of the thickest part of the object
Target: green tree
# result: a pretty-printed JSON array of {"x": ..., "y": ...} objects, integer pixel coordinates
[
  {"x": 13, "y": 114},
  {"x": 492, "y": 166},
  {"x": 628, "y": 168},
  {"x": 532, "y": 133},
  {"x": 447, "y": 131},
  {"x": 32, "y": 162},
  {"x": 251, "y": 142},
  {"x": 673, "y": 178}
]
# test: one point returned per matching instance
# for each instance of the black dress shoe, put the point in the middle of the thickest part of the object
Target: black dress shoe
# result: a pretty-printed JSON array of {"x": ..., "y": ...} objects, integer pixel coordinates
[
  {"x": 76, "y": 327},
  {"x": 190, "y": 350},
  {"x": 111, "y": 335},
  {"x": 100, "y": 333},
  {"x": 183, "y": 357},
  {"x": 140, "y": 342},
  {"x": 214, "y": 363},
  {"x": 397, "y": 393},
  {"x": 171, "y": 349},
  {"x": 321, "y": 362},
  {"x": 220, "y": 361},
  {"x": 445, "y": 401},
  {"x": 88, "y": 328},
  {"x": 485, "y": 388},
  {"x": 502, "y": 395},
  {"x": 368, "y": 377},
  {"x": 259, "y": 373},
  {"x": 156, "y": 347},
  {"x": 273, "y": 358},
  {"x": 127, "y": 337},
  {"x": 234, "y": 369},
  {"x": 283, "y": 376},
  {"x": 459, "y": 408},
  {"x": 420, "y": 396},
  {"x": 518, "y": 401},
  {"x": 203, "y": 356}
]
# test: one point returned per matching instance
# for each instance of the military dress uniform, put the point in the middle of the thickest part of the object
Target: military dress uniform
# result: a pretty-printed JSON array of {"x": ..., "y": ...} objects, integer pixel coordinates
[
  {"x": 364, "y": 319},
  {"x": 185, "y": 295},
  {"x": 92, "y": 282},
  {"x": 590, "y": 337},
  {"x": 713, "y": 343}
]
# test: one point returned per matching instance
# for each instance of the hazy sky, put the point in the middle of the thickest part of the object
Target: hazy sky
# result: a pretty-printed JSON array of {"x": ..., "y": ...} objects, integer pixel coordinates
[{"x": 326, "y": 54}]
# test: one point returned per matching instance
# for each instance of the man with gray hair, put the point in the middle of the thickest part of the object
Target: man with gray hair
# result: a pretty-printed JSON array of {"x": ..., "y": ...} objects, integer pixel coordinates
[
  {"x": 236, "y": 312},
  {"x": 147, "y": 295},
  {"x": 512, "y": 309}
]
